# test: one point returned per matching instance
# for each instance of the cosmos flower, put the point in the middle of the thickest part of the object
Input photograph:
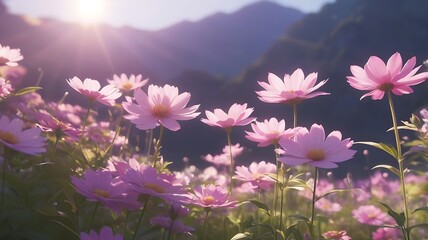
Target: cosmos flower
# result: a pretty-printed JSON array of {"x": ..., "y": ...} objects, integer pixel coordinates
[
  {"x": 5, "y": 88},
  {"x": 378, "y": 77},
  {"x": 105, "y": 234},
  {"x": 212, "y": 197},
  {"x": 162, "y": 106},
  {"x": 9, "y": 56},
  {"x": 327, "y": 206},
  {"x": 238, "y": 115},
  {"x": 28, "y": 141},
  {"x": 224, "y": 157},
  {"x": 257, "y": 174},
  {"x": 292, "y": 90},
  {"x": 371, "y": 215},
  {"x": 269, "y": 132},
  {"x": 386, "y": 234},
  {"x": 49, "y": 123},
  {"x": 312, "y": 147},
  {"x": 126, "y": 84},
  {"x": 100, "y": 186},
  {"x": 91, "y": 89},
  {"x": 336, "y": 235}
]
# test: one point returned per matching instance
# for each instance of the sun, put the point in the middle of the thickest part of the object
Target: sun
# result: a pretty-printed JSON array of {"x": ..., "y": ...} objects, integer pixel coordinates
[{"x": 90, "y": 11}]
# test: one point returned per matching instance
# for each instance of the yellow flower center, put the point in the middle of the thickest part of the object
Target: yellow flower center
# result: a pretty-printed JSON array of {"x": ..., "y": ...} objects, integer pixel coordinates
[
  {"x": 101, "y": 193},
  {"x": 161, "y": 111},
  {"x": 154, "y": 187},
  {"x": 127, "y": 86},
  {"x": 208, "y": 200},
  {"x": 8, "y": 137},
  {"x": 316, "y": 154}
]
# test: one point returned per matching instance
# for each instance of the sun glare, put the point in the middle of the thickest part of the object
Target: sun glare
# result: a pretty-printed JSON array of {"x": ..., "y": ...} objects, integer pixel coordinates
[{"x": 90, "y": 11}]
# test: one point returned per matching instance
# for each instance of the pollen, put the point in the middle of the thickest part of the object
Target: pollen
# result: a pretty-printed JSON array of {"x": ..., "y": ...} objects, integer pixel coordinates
[
  {"x": 161, "y": 111},
  {"x": 8, "y": 137},
  {"x": 127, "y": 86},
  {"x": 101, "y": 193},
  {"x": 316, "y": 154},
  {"x": 208, "y": 200}
]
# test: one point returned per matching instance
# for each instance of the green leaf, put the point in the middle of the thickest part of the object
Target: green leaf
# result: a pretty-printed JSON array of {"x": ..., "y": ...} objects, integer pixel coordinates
[
  {"x": 420, "y": 209},
  {"x": 418, "y": 225},
  {"x": 300, "y": 217},
  {"x": 389, "y": 167},
  {"x": 241, "y": 236},
  {"x": 27, "y": 90},
  {"x": 247, "y": 222},
  {"x": 260, "y": 205},
  {"x": 332, "y": 192},
  {"x": 399, "y": 218},
  {"x": 382, "y": 146},
  {"x": 292, "y": 231}
]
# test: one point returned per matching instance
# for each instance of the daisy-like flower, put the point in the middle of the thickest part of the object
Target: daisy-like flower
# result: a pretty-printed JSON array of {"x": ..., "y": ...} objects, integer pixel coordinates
[
  {"x": 386, "y": 234},
  {"x": 28, "y": 141},
  {"x": 147, "y": 181},
  {"x": 9, "y": 56},
  {"x": 378, "y": 77},
  {"x": 269, "y": 132},
  {"x": 336, "y": 235},
  {"x": 371, "y": 215},
  {"x": 312, "y": 147},
  {"x": 238, "y": 115},
  {"x": 257, "y": 174},
  {"x": 91, "y": 89},
  {"x": 292, "y": 90},
  {"x": 105, "y": 234},
  {"x": 5, "y": 88},
  {"x": 212, "y": 197},
  {"x": 327, "y": 206},
  {"x": 100, "y": 186},
  {"x": 49, "y": 123},
  {"x": 127, "y": 84},
  {"x": 162, "y": 106}
]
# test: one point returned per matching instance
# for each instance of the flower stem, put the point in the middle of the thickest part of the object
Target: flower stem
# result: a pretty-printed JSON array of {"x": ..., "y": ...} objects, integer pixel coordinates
[
  {"x": 229, "y": 142},
  {"x": 400, "y": 165},
  {"x": 312, "y": 230},
  {"x": 93, "y": 216},
  {"x": 275, "y": 191},
  {"x": 141, "y": 218},
  {"x": 170, "y": 229},
  {"x": 207, "y": 210},
  {"x": 3, "y": 179},
  {"x": 158, "y": 146},
  {"x": 294, "y": 115},
  {"x": 116, "y": 132}
]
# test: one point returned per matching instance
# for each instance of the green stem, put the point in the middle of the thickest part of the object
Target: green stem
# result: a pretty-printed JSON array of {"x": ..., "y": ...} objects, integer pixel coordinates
[
  {"x": 207, "y": 210},
  {"x": 229, "y": 142},
  {"x": 85, "y": 122},
  {"x": 312, "y": 230},
  {"x": 170, "y": 229},
  {"x": 158, "y": 146},
  {"x": 116, "y": 133},
  {"x": 141, "y": 218},
  {"x": 126, "y": 224},
  {"x": 93, "y": 216},
  {"x": 400, "y": 165},
  {"x": 275, "y": 191},
  {"x": 294, "y": 115},
  {"x": 3, "y": 178},
  {"x": 149, "y": 142}
]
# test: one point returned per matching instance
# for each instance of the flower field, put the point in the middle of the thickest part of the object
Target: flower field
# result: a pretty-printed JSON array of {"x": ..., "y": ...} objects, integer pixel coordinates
[{"x": 67, "y": 172}]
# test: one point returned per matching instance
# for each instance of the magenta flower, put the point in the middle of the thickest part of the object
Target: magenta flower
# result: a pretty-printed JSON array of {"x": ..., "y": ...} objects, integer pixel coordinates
[
  {"x": 5, "y": 88},
  {"x": 292, "y": 90},
  {"x": 336, "y": 235},
  {"x": 49, "y": 123},
  {"x": 125, "y": 84},
  {"x": 212, "y": 197},
  {"x": 269, "y": 132},
  {"x": 314, "y": 148},
  {"x": 386, "y": 234},
  {"x": 176, "y": 226},
  {"x": 378, "y": 77},
  {"x": 162, "y": 106},
  {"x": 147, "y": 181},
  {"x": 327, "y": 206},
  {"x": 238, "y": 115},
  {"x": 28, "y": 141},
  {"x": 91, "y": 89},
  {"x": 257, "y": 174},
  {"x": 371, "y": 215},
  {"x": 105, "y": 234},
  {"x": 100, "y": 186},
  {"x": 9, "y": 56}
]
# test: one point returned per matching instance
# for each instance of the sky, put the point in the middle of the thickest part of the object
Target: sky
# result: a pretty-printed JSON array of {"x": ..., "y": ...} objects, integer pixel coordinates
[{"x": 141, "y": 14}]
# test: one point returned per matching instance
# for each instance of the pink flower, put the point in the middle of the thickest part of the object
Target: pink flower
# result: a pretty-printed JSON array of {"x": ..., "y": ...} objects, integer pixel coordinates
[
  {"x": 49, "y": 123},
  {"x": 5, "y": 88},
  {"x": 162, "y": 106},
  {"x": 292, "y": 90},
  {"x": 314, "y": 148},
  {"x": 100, "y": 186},
  {"x": 146, "y": 180},
  {"x": 386, "y": 234},
  {"x": 327, "y": 206},
  {"x": 212, "y": 197},
  {"x": 269, "y": 132},
  {"x": 9, "y": 56},
  {"x": 105, "y": 234},
  {"x": 378, "y": 77},
  {"x": 224, "y": 158},
  {"x": 257, "y": 174},
  {"x": 424, "y": 115},
  {"x": 371, "y": 215},
  {"x": 238, "y": 115},
  {"x": 336, "y": 235},
  {"x": 91, "y": 89},
  {"x": 28, "y": 141},
  {"x": 125, "y": 84}
]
